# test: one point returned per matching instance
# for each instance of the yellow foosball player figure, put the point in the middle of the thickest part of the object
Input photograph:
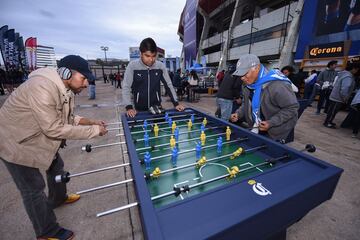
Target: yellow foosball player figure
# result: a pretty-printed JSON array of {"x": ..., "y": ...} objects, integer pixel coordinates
[
  {"x": 204, "y": 121},
  {"x": 233, "y": 171},
  {"x": 156, "y": 173},
  {"x": 172, "y": 142},
  {"x": 189, "y": 124},
  {"x": 237, "y": 153},
  {"x": 173, "y": 126},
  {"x": 201, "y": 162},
  {"x": 156, "y": 130},
  {"x": 228, "y": 133},
  {"x": 202, "y": 138}
]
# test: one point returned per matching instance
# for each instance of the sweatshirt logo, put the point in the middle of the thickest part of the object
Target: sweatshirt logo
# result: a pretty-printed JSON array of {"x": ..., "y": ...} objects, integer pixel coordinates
[{"x": 139, "y": 74}]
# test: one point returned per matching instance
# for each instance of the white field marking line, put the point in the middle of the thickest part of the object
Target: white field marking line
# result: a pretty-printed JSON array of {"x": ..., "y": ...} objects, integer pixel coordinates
[
  {"x": 175, "y": 185},
  {"x": 218, "y": 164},
  {"x": 249, "y": 163},
  {"x": 195, "y": 179}
]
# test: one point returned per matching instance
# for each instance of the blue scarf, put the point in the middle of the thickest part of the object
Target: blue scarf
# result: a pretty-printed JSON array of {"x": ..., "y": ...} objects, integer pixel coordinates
[{"x": 264, "y": 76}]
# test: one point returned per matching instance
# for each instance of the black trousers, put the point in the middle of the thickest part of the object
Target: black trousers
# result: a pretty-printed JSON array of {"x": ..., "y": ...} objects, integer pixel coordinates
[
  {"x": 38, "y": 206},
  {"x": 2, "y": 91},
  {"x": 324, "y": 98},
  {"x": 356, "y": 123},
  {"x": 334, "y": 108}
]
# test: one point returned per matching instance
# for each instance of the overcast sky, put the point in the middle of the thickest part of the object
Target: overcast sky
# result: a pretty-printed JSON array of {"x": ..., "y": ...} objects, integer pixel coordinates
[{"x": 81, "y": 27}]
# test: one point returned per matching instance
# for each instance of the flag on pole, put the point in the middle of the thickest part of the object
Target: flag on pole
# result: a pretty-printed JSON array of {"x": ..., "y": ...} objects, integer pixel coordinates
[
  {"x": 21, "y": 48},
  {"x": 10, "y": 48},
  {"x": 30, "y": 45},
  {"x": 3, "y": 29}
]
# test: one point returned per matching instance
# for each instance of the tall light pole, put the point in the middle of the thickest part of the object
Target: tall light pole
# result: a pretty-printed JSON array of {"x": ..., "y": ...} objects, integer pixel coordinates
[{"x": 104, "y": 48}]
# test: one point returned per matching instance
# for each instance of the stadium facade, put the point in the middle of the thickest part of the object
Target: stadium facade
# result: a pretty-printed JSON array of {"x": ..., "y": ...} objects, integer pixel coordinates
[{"x": 217, "y": 32}]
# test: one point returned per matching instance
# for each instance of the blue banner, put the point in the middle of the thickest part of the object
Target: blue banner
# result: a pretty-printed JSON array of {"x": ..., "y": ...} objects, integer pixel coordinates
[{"x": 190, "y": 41}]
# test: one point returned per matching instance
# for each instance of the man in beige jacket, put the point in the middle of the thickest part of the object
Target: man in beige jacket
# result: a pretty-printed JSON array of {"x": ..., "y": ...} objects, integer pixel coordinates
[{"x": 35, "y": 120}]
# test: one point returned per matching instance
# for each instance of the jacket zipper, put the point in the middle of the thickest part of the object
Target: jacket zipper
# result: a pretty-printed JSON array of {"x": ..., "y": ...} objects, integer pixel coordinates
[{"x": 148, "y": 87}]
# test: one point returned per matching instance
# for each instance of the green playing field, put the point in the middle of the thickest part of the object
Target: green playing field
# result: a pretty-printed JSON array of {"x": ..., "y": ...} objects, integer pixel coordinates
[{"x": 193, "y": 174}]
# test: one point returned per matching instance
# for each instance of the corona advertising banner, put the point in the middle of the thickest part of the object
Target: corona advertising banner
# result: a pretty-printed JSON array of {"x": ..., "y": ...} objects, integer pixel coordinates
[
  {"x": 326, "y": 50},
  {"x": 329, "y": 28}
]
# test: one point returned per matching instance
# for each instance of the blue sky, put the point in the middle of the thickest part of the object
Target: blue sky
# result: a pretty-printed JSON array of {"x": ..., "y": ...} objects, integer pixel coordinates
[{"x": 81, "y": 27}]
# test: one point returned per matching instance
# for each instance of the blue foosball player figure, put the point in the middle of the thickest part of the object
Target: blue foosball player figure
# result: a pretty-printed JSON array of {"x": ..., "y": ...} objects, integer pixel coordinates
[
  {"x": 146, "y": 139},
  {"x": 198, "y": 150},
  {"x": 174, "y": 156},
  {"x": 166, "y": 117},
  {"x": 192, "y": 118},
  {"x": 202, "y": 127},
  {"x": 170, "y": 122},
  {"x": 219, "y": 144},
  {"x": 147, "y": 160},
  {"x": 176, "y": 134},
  {"x": 145, "y": 125}
]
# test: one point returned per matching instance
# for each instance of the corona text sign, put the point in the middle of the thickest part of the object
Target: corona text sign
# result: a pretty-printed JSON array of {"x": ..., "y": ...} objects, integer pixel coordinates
[{"x": 327, "y": 50}]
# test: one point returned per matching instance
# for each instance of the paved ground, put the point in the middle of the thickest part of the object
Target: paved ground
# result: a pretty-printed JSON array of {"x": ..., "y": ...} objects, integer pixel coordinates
[{"x": 334, "y": 219}]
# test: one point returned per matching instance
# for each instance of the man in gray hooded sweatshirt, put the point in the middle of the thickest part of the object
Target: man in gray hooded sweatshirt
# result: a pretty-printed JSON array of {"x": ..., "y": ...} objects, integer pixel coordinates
[{"x": 343, "y": 86}]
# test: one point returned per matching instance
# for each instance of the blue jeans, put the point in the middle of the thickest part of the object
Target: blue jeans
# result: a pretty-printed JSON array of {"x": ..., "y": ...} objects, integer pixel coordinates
[
  {"x": 91, "y": 91},
  {"x": 225, "y": 106},
  {"x": 38, "y": 206}
]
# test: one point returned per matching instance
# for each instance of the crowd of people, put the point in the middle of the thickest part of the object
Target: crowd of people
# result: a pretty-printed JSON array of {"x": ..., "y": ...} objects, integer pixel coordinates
[{"x": 333, "y": 89}]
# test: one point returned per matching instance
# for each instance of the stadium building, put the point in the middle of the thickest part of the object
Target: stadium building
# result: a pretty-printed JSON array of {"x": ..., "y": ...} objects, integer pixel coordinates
[{"x": 217, "y": 32}]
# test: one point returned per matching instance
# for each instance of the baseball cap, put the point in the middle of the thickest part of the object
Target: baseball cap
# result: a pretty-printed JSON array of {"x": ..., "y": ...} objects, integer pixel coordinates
[
  {"x": 79, "y": 64},
  {"x": 244, "y": 64}
]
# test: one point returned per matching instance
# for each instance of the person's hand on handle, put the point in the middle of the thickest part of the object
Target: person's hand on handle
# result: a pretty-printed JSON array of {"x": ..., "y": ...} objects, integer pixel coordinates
[
  {"x": 180, "y": 108},
  {"x": 131, "y": 113},
  {"x": 103, "y": 130},
  {"x": 234, "y": 117}
]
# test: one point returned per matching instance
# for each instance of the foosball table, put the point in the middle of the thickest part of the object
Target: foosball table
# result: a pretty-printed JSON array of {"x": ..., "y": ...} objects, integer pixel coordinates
[{"x": 199, "y": 177}]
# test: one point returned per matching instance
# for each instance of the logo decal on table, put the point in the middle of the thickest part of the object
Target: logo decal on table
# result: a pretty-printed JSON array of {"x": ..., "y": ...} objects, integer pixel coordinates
[{"x": 258, "y": 188}]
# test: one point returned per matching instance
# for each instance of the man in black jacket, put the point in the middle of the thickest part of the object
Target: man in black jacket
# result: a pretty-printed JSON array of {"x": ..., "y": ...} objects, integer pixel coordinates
[
  {"x": 142, "y": 80},
  {"x": 229, "y": 92}
]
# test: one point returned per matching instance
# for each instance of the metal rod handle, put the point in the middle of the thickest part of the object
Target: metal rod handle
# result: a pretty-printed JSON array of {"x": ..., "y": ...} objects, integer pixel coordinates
[
  {"x": 84, "y": 148},
  {"x": 99, "y": 170},
  {"x": 181, "y": 133},
  {"x": 182, "y": 141},
  {"x": 114, "y": 123},
  {"x": 104, "y": 186},
  {"x": 115, "y": 128},
  {"x": 67, "y": 176},
  {"x": 173, "y": 116},
  {"x": 181, "y": 120},
  {"x": 117, "y": 209}
]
